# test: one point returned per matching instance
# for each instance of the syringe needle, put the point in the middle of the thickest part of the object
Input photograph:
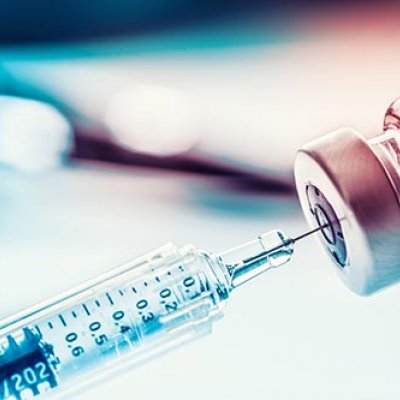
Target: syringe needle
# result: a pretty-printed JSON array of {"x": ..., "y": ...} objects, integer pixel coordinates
[
  {"x": 303, "y": 235},
  {"x": 286, "y": 244},
  {"x": 270, "y": 256},
  {"x": 291, "y": 241}
]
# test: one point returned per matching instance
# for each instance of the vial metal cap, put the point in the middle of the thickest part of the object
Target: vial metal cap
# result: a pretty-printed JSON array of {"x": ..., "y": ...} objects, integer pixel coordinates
[{"x": 352, "y": 186}]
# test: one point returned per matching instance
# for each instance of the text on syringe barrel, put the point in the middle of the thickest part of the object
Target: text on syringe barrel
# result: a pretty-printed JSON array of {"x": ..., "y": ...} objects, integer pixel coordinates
[{"x": 151, "y": 304}]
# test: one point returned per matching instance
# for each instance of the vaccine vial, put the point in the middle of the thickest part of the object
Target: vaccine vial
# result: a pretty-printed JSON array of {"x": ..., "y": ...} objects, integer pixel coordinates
[{"x": 352, "y": 184}]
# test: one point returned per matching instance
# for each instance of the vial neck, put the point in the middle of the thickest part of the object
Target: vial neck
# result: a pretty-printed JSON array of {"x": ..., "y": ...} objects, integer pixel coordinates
[{"x": 387, "y": 148}]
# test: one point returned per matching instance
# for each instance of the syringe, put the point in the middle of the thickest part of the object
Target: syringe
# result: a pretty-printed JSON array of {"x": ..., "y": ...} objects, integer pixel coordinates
[{"x": 165, "y": 298}]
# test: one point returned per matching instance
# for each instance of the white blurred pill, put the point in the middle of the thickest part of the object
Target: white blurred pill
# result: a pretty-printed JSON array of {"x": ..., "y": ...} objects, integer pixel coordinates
[{"x": 34, "y": 136}]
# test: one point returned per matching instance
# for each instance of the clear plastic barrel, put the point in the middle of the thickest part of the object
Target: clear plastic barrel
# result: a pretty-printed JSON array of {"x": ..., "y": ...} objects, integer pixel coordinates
[{"x": 122, "y": 318}]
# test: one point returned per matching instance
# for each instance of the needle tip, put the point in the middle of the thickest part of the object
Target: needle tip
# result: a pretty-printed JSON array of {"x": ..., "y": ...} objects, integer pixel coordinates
[{"x": 317, "y": 229}]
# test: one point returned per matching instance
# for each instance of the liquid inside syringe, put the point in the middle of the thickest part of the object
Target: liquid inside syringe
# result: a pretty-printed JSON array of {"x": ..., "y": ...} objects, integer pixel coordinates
[{"x": 156, "y": 302}]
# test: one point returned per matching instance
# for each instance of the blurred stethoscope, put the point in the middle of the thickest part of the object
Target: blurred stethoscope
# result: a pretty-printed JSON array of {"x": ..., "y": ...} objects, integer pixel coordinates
[{"x": 36, "y": 136}]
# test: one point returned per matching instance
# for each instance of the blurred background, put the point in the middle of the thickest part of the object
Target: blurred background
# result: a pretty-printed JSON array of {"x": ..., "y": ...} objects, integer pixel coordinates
[{"x": 127, "y": 124}]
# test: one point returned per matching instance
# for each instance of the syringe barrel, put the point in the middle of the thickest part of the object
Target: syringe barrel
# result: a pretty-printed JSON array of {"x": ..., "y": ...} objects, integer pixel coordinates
[{"x": 162, "y": 299}]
